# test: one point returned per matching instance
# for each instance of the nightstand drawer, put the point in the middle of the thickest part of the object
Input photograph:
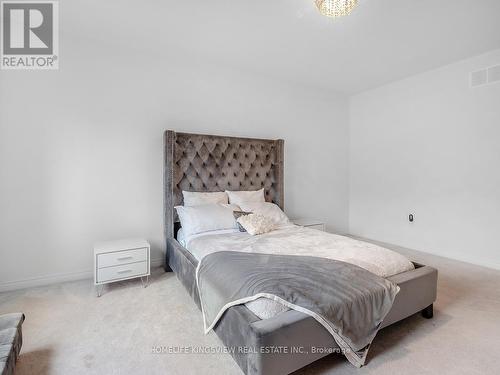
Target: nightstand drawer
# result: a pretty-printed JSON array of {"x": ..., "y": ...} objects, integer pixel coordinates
[
  {"x": 122, "y": 257},
  {"x": 122, "y": 272}
]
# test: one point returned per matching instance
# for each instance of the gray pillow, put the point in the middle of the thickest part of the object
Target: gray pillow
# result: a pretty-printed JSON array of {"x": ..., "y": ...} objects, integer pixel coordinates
[{"x": 238, "y": 214}]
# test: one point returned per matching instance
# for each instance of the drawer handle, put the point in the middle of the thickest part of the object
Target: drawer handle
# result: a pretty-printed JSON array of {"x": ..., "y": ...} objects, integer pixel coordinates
[
  {"x": 125, "y": 258},
  {"x": 124, "y": 271}
]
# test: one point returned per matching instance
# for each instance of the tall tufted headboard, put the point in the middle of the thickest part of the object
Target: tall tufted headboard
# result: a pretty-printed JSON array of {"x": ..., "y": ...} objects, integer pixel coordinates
[{"x": 197, "y": 162}]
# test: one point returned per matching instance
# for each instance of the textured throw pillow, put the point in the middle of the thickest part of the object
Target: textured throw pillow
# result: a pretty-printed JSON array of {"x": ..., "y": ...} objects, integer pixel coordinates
[
  {"x": 269, "y": 210},
  {"x": 256, "y": 224},
  {"x": 237, "y": 197},
  {"x": 205, "y": 218},
  {"x": 192, "y": 198},
  {"x": 237, "y": 215}
]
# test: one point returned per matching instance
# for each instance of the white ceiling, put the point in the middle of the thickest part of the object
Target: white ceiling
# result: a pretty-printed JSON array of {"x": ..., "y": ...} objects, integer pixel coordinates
[{"x": 381, "y": 41}]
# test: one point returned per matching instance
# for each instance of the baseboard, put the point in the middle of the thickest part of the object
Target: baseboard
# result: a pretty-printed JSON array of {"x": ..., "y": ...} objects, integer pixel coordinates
[
  {"x": 157, "y": 262},
  {"x": 487, "y": 263},
  {"x": 55, "y": 279},
  {"x": 45, "y": 280},
  {"x": 474, "y": 260}
]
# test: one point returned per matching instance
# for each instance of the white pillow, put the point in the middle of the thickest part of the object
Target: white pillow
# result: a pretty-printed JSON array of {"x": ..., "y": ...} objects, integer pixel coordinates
[
  {"x": 270, "y": 210},
  {"x": 237, "y": 197},
  {"x": 192, "y": 198},
  {"x": 205, "y": 218},
  {"x": 233, "y": 207},
  {"x": 181, "y": 238},
  {"x": 256, "y": 224}
]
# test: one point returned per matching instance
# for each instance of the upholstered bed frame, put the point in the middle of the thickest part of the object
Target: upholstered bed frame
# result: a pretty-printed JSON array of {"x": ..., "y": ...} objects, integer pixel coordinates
[{"x": 195, "y": 162}]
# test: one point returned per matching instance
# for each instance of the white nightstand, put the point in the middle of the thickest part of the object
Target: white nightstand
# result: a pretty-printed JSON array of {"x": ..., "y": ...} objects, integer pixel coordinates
[
  {"x": 310, "y": 223},
  {"x": 121, "y": 260}
]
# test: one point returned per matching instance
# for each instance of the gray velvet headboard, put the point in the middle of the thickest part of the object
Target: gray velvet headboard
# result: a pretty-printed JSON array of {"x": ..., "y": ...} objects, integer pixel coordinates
[{"x": 197, "y": 162}]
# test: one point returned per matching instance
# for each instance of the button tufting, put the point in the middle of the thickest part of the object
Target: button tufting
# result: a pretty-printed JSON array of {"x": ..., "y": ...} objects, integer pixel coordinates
[{"x": 211, "y": 163}]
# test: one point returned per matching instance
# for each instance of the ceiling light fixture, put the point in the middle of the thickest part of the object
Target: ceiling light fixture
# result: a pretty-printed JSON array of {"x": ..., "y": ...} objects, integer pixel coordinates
[{"x": 335, "y": 8}]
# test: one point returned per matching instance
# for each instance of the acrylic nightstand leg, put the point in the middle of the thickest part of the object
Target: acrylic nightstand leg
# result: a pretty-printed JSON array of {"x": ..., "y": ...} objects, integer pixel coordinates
[
  {"x": 99, "y": 290},
  {"x": 145, "y": 283}
]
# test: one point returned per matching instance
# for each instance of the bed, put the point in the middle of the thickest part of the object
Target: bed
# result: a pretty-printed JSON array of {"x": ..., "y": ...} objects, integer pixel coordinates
[{"x": 208, "y": 163}]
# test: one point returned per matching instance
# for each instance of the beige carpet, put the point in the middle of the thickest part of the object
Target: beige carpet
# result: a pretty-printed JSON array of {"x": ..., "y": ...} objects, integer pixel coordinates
[{"x": 70, "y": 331}]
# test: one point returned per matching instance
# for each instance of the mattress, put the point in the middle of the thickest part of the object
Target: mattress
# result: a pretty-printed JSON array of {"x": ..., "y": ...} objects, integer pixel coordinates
[{"x": 296, "y": 240}]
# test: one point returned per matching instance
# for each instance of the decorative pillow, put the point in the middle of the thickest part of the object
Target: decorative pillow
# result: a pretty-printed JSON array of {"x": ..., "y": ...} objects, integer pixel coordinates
[
  {"x": 256, "y": 224},
  {"x": 237, "y": 197},
  {"x": 237, "y": 215},
  {"x": 269, "y": 210},
  {"x": 192, "y": 198},
  {"x": 205, "y": 218}
]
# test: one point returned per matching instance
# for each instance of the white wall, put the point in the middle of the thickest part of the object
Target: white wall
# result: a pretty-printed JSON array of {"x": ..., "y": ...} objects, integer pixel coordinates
[
  {"x": 429, "y": 145},
  {"x": 81, "y": 148}
]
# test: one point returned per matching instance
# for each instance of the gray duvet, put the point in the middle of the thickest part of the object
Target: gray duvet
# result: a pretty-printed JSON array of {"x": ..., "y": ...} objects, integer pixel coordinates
[{"x": 347, "y": 300}]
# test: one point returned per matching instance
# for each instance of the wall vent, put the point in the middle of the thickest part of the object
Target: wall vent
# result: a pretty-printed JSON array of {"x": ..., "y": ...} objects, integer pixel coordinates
[
  {"x": 485, "y": 76},
  {"x": 479, "y": 78},
  {"x": 494, "y": 74}
]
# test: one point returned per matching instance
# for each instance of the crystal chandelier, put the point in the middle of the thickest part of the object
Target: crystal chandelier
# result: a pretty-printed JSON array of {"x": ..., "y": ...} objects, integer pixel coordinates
[{"x": 335, "y": 8}]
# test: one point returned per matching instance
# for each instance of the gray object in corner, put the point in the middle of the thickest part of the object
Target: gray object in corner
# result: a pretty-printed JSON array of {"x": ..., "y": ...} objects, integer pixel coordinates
[
  {"x": 11, "y": 340},
  {"x": 239, "y": 328}
]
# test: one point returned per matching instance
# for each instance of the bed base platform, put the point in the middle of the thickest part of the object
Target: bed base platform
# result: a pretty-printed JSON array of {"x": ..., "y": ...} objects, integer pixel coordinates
[{"x": 292, "y": 340}]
